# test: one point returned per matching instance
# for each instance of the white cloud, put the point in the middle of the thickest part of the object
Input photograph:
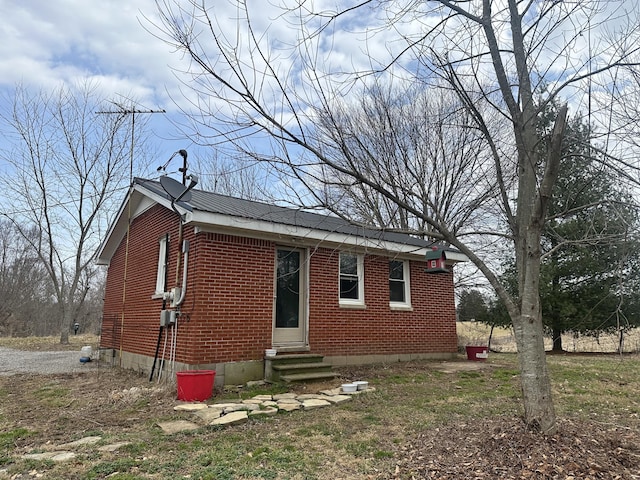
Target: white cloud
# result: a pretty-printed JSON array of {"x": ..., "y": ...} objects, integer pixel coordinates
[{"x": 47, "y": 43}]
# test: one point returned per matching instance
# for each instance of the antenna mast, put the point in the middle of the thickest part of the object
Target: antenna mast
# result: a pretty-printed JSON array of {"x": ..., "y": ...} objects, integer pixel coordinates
[
  {"x": 127, "y": 111},
  {"x": 122, "y": 110}
]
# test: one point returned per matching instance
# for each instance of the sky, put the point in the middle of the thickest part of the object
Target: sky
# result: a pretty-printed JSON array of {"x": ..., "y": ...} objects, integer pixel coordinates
[
  {"x": 49, "y": 43},
  {"x": 113, "y": 43},
  {"x": 46, "y": 43}
]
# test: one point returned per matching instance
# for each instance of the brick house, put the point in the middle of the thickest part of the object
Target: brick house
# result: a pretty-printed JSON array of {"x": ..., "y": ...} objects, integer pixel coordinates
[{"x": 236, "y": 277}]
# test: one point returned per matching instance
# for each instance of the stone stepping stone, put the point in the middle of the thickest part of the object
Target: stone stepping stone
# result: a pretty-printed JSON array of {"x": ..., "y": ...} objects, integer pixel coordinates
[
  {"x": 61, "y": 456},
  {"x": 337, "y": 398},
  {"x": 263, "y": 397},
  {"x": 190, "y": 407},
  {"x": 265, "y": 412},
  {"x": 285, "y": 401},
  {"x": 284, "y": 396},
  {"x": 333, "y": 391},
  {"x": 177, "y": 426},
  {"x": 223, "y": 406},
  {"x": 233, "y": 418},
  {"x": 113, "y": 446},
  {"x": 310, "y": 396},
  {"x": 313, "y": 403},
  {"x": 79, "y": 443},
  {"x": 208, "y": 415},
  {"x": 289, "y": 407},
  {"x": 241, "y": 406}
]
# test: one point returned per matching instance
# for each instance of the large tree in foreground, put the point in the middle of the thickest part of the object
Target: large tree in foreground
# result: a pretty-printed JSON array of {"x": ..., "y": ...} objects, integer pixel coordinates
[
  {"x": 494, "y": 56},
  {"x": 590, "y": 245},
  {"x": 64, "y": 164}
]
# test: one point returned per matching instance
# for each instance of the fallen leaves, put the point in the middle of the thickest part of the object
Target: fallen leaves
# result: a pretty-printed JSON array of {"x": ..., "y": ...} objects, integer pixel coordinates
[{"x": 503, "y": 448}]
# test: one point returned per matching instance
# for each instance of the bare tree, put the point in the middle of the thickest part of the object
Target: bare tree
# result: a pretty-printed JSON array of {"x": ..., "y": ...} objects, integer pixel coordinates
[
  {"x": 23, "y": 284},
  {"x": 66, "y": 164},
  {"x": 241, "y": 177},
  {"x": 423, "y": 149},
  {"x": 504, "y": 61}
]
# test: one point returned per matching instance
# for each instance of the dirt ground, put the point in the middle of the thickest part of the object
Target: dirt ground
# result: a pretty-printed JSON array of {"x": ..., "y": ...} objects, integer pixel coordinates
[{"x": 113, "y": 401}]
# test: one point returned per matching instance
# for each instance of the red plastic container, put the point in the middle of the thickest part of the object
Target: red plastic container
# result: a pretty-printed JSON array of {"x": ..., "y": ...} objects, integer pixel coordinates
[
  {"x": 477, "y": 354},
  {"x": 195, "y": 385}
]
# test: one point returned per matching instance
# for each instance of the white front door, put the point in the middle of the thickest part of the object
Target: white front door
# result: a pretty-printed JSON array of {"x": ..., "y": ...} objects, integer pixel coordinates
[{"x": 290, "y": 299}]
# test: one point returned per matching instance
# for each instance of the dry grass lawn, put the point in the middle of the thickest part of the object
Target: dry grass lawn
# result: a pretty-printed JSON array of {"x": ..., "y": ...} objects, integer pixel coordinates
[
  {"x": 425, "y": 420},
  {"x": 502, "y": 340}
]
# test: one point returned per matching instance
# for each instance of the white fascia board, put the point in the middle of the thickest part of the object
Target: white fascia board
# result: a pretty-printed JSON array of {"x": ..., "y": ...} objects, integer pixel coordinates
[
  {"x": 218, "y": 223},
  {"x": 137, "y": 201}
]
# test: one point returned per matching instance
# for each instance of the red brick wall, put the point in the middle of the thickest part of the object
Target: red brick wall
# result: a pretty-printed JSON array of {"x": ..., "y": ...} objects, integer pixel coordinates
[
  {"x": 228, "y": 310},
  {"x": 232, "y": 305},
  {"x": 136, "y": 314},
  {"x": 377, "y": 329}
]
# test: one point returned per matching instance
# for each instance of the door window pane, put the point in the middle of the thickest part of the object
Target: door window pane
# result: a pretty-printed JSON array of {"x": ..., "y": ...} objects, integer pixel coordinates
[{"x": 288, "y": 289}]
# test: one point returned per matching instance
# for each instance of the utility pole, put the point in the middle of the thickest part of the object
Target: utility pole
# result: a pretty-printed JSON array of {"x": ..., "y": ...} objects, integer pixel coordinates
[{"x": 127, "y": 111}]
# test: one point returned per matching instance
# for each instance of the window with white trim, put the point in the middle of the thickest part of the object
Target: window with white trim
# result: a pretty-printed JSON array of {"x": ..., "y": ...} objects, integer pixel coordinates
[
  {"x": 399, "y": 287},
  {"x": 351, "y": 279},
  {"x": 161, "y": 276}
]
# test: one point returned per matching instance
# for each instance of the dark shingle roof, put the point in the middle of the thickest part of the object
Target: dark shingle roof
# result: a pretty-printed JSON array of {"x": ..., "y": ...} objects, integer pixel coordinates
[{"x": 221, "y": 204}]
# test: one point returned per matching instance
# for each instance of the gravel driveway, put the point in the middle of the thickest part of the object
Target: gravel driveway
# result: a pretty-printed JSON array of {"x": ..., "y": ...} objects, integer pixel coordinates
[{"x": 13, "y": 362}]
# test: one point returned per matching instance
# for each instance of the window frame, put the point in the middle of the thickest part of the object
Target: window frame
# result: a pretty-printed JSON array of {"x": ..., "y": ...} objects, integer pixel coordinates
[
  {"x": 352, "y": 302},
  {"x": 406, "y": 282}
]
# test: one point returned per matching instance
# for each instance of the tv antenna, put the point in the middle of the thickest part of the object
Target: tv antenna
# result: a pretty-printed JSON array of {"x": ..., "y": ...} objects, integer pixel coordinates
[{"x": 122, "y": 110}]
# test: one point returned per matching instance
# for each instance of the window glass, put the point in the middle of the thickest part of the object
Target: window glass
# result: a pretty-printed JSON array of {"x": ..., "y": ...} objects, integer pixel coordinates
[
  {"x": 288, "y": 289},
  {"x": 351, "y": 288},
  {"x": 396, "y": 281}
]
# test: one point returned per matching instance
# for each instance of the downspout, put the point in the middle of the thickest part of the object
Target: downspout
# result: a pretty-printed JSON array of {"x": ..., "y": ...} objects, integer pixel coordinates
[
  {"x": 185, "y": 250},
  {"x": 176, "y": 303}
]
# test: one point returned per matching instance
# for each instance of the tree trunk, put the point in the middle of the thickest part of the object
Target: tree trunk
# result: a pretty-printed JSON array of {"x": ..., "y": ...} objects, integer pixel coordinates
[
  {"x": 65, "y": 323},
  {"x": 533, "y": 198},
  {"x": 535, "y": 381},
  {"x": 536, "y": 384},
  {"x": 557, "y": 340}
]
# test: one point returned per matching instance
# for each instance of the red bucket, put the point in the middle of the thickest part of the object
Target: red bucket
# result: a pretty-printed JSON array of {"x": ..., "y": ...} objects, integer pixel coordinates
[
  {"x": 195, "y": 385},
  {"x": 478, "y": 354}
]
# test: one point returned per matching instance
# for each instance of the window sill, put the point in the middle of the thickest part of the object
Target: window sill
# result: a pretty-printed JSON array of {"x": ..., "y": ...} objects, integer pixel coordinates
[
  {"x": 399, "y": 307},
  {"x": 353, "y": 305}
]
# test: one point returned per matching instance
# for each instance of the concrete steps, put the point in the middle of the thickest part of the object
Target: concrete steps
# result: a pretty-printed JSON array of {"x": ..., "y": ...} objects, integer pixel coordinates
[{"x": 297, "y": 367}]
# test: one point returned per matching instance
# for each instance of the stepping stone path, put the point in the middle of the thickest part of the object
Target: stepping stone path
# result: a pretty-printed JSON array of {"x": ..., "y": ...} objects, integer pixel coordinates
[
  {"x": 62, "y": 453},
  {"x": 235, "y": 413},
  {"x": 223, "y": 414}
]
